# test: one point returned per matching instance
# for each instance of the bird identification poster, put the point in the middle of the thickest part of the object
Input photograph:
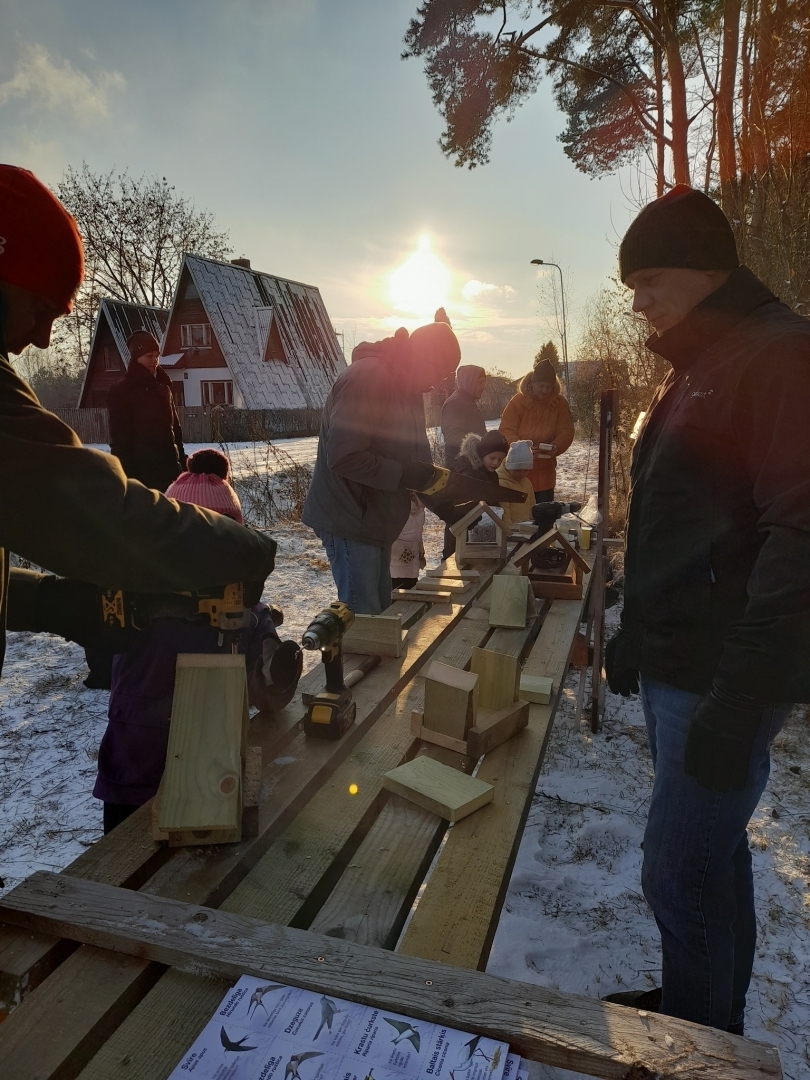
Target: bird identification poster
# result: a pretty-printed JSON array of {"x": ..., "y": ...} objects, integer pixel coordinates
[{"x": 268, "y": 1031}]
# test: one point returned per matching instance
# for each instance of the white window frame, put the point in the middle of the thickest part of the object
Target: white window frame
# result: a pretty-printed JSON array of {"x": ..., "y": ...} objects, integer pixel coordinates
[
  {"x": 190, "y": 331},
  {"x": 206, "y": 395}
]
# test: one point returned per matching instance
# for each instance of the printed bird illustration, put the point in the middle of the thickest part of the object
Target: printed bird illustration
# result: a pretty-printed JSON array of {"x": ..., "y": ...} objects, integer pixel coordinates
[
  {"x": 405, "y": 1030},
  {"x": 258, "y": 994},
  {"x": 292, "y": 1066},
  {"x": 468, "y": 1051},
  {"x": 229, "y": 1044},
  {"x": 328, "y": 1010}
]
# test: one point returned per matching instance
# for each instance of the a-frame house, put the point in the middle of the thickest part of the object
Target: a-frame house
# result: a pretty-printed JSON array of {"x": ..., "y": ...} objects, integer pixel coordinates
[{"x": 109, "y": 357}]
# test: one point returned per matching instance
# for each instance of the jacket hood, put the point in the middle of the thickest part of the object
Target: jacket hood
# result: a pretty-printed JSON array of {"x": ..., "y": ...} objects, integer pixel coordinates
[
  {"x": 524, "y": 388},
  {"x": 467, "y": 377},
  {"x": 469, "y": 449}
]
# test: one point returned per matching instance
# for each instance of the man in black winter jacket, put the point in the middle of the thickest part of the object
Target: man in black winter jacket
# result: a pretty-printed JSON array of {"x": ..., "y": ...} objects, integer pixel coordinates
[
  {"x": 145, "y": 433},
  {"x": 716, "y": 618}
]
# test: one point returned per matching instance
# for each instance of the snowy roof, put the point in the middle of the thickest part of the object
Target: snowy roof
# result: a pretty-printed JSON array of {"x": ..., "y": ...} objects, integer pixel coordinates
[
  {"x": 124, "y": 319},
  {"x": 244, "y": 306}
]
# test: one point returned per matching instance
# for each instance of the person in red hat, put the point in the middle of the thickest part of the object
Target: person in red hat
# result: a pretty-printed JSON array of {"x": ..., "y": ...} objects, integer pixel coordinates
[
  {"x": 145, "y": 432},
  {"x": 65, "y": 507}
]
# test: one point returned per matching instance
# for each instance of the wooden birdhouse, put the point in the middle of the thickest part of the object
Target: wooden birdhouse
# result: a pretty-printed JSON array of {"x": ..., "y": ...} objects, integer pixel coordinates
[
  {"x": 562, "y": 582},
  {"x": 468, "y": 551}
]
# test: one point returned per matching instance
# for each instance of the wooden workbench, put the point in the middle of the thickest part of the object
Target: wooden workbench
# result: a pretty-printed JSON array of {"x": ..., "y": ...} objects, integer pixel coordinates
[{"x": 343, "y": 860}]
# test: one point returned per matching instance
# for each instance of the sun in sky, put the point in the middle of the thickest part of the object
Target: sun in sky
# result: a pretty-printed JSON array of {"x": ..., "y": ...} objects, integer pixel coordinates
[{"x": 421, "y": 284}]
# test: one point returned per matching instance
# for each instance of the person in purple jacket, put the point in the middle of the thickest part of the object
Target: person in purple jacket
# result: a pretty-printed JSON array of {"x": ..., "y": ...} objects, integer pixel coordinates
[{"x": 132, "y": 754}]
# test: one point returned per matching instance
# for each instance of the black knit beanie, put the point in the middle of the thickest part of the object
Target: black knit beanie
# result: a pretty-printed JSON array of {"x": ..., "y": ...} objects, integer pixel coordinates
[
  {"x": 684, "y": 228},
  {"x": 544, "y": 372},
  {"x": 142, "y": 342},
  {"x": 493, "y": 443}
]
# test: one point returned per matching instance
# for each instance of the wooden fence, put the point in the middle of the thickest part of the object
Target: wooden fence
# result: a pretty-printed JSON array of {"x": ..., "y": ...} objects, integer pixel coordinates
[{"x": 209, "y": 424}]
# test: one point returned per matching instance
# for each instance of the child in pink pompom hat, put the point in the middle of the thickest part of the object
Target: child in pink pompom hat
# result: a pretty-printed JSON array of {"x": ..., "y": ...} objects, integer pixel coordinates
[
  {"x": 133, "y": 750},
  {"x": 205, "y": 483}
]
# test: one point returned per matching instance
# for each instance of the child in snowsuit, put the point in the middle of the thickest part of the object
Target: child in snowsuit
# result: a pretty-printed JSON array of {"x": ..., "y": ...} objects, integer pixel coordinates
[
  {"x": 132, "y": 754},
  {"x": 514, "y": 474},
  {"x": 408, "y": 550},
  {"x": 481, "y": 456}
]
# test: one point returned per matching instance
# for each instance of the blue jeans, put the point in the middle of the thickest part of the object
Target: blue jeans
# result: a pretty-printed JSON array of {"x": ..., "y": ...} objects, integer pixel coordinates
[
  {"x": 362, "y": 573},
  {"x": 697, "y": 874}
]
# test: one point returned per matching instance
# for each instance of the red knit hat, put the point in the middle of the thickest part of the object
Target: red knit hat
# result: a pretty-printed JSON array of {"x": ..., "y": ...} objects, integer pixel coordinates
[
  {"x": 40, "y": 246},
  {"x": 206, "y": 484}
]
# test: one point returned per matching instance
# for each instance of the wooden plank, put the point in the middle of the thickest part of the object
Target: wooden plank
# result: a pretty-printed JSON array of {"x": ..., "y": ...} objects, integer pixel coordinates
[
  {"x": 478, "y": 855},
  {"x": 495, "y": 726},
  {"x": 553, "y": 590},
  {"x": 499, "y": 675},
  {"x": 451, "y": 699},
  {"x": 375, "y": 635},
  {"x": 543, "y": 1025},
  {"x": 444, "y": 791},
  {"x": 433, "y": 596},
  {"x": 451, "y": 575},
  {"x": 510, "y": 597},
  {"x": 420, "y": 731}
]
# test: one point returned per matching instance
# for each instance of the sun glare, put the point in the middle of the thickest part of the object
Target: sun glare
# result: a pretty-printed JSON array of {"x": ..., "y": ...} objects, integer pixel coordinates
[{"x": 421, "y": 284}]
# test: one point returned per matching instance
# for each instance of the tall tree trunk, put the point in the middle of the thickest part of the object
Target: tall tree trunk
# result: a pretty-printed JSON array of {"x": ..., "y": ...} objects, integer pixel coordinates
[
  {"x": 726, "y": 92},
  {"x": 660, "y": 106},
  {"x": 677, "y": 94}
]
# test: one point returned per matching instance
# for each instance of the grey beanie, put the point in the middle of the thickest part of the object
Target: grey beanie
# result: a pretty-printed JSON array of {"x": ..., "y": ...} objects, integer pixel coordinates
[{"x": 520, "y": 455}]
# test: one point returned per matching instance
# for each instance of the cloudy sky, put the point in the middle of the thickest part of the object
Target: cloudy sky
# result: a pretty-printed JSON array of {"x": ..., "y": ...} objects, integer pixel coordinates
[{"x": 315, "y": 146}]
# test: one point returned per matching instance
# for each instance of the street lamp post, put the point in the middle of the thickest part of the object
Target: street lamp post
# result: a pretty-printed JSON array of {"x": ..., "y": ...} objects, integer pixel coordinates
[{"x": 545, "y": 262}]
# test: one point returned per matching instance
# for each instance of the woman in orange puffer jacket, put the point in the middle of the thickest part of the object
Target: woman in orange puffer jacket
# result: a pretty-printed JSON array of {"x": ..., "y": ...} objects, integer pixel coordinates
[{"x": 540, "y": 413}]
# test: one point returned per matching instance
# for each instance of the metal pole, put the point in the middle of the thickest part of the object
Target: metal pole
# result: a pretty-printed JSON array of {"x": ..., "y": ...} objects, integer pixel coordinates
[{"x": 544, "y": 262}]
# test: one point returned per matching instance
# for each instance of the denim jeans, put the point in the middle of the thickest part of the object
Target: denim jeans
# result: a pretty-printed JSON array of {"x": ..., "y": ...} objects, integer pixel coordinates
[
  {"x": 362, "y": 573},
  {"x": 697, "y": 874}
]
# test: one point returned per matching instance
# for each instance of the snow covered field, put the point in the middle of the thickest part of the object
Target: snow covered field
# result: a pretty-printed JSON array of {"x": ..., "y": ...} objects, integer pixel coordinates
[{"x": 574, "y": 916}]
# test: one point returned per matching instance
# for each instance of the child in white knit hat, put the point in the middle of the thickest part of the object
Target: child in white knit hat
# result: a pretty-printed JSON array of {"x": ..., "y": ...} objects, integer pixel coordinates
[{"x": 514, "y": 473}]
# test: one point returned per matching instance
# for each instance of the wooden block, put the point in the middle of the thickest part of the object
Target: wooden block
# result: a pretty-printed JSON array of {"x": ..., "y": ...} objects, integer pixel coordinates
[
  {"x": 202, "y": 782},
  {"x": 451, "y": 699},
  {"x": 499, "y": 676},
  {"x": 432, "y": 583},
  {"x": 380, "y": 635},
  {"x": 496, "y": 726},
  {"x": 552, "y": 590},
  {"x": 419, "y": 731},
  {"x": 438, "y": 597},
  {"x": 536, "y": 688},
  {"x": 444, "y": 791},
  {"x": 446, "y": 572},
  {"x": 511, "y": 600}
]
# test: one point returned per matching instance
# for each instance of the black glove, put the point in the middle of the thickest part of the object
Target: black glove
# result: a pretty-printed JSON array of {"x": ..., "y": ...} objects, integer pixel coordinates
[
  {"x": 417, "y": 475},
  {"x": 721, "y": 739},
  {"x": 282, "y": 663},
  {"x": 45, "y": 604},
  {"x": 621, "y": 679}
]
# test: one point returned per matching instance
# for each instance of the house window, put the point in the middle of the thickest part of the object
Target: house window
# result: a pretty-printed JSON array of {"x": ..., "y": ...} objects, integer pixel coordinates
[
  {"x": 179, "y": 393},
  {"x": 195, "y": 335},
  {"x": 110, "y": 359},
  {"x": 217, "y": 393}
]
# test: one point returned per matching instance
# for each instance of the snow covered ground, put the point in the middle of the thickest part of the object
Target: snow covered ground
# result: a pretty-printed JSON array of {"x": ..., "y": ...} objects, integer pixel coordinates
[{"x": 574, "y": 916}]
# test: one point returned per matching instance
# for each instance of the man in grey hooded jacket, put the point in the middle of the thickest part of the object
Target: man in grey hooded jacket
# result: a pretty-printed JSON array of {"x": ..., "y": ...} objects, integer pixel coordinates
[{"x": 373, "y": 449}]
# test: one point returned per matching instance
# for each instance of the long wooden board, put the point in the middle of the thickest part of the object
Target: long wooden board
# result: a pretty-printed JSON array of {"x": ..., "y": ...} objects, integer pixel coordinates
[{"x": 573, "y": 1032}]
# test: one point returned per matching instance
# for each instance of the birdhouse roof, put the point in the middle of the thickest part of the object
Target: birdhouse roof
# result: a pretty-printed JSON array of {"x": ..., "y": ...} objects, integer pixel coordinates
[{"x": 472, "y": 515}]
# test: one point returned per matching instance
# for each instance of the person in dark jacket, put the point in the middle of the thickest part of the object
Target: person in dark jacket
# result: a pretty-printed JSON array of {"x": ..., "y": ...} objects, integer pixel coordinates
[
  {"x": 716, "y": 620},
  {"x": 460, "y": 413},
  {"x": 67, "y": 508},
  {"x": 479, "y": 457},
  {"x": 145, "y": 433},
  {"x": 132, "y": 755},
  {"x": 372, "y": 452}
]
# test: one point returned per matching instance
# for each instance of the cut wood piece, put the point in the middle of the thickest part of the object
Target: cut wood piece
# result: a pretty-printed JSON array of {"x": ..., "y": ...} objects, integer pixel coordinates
[
  {"x": 435, "y": 596},
  {"x": 495, "y": 726},
  {"x": 419, "y": 730},
  {"x": 201, "y": 800},
  {"x": 380, "y": 635},
  {"x": 499, "y": 676},
  {"x": 581, "y": 1033},
  {"x": 447, "y": 792},
  {"x": 557, "y": 590},
  {"x": 251, "y": 790},
  {"x": 511, "y": 601},
  {"x": 447, "y": 572},
  {"x": 451, "y": 699},
  {"x": 452, "y": 584},
  {"x": 536, "y": 688}
]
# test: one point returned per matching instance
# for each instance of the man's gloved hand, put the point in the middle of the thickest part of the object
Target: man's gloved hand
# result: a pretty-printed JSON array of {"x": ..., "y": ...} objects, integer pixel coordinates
[
  {"x": 721, "y": 739},
  {"x": 282, "y": 663},
  {"x": 417, "y": 475},
  {"x": 45, "y": 604},
  {"x": 621, "y": 679}
]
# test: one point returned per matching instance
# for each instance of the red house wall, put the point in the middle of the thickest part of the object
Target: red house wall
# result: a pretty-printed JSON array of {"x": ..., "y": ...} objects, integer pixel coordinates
[
  {"x": 192, "y": 311},
  {"x": 99, "y": 379}
]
